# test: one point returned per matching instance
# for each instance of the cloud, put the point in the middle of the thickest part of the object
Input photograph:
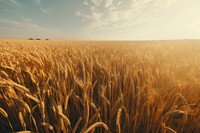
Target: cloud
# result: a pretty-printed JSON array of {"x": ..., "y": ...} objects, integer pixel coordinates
[
  {"x": 26, "y": 28},
  {"x": 44, "y": 10},
  {"x": 164, "y": 4},
  {"x": 27, "y": 20},
  {"x": 15, "y": 2},
  {"x": 97, "y": 2},
  {"x": 7, "y": 9},
  {"x": 22, "y": 29},
  {"x": 12, "y": 3},
  {"x": 41, "y": 6},
  {"x": 12, "y": 24},
  {"x": 38, "y": 2},
  {"x": 86, "y": 3},
  {"x": 108, "y": 3},
  {"x": 111, "y": 14},
  {"x": 119, "y": 3}
]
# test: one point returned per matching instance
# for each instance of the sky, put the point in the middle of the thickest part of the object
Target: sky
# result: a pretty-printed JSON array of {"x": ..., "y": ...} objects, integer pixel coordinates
[{"x": 100, "y": 19}]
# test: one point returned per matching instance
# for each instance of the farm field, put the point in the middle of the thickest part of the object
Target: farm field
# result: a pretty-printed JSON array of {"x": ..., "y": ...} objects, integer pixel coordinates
[{"x": 100, "y": 86}]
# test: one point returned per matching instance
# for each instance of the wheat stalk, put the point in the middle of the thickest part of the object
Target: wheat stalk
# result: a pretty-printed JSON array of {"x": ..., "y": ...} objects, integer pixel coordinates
[
  {"x": 59, "y": 109},
  {"x": 3, "y": 112},
  {"x": 21, "y": 118},
  {"x": 76, "y": 125},
  {"x": 119, "y": 112},
  {"x": 96, "y": 125},
  {"x": 24, "y": 132},
  {"x": 32, "y": 97},
  {"x": 47, "y": 126}
]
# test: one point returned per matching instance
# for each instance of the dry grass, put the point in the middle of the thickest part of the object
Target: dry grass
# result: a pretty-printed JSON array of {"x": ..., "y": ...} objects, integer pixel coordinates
[{"x": 58, "y": 86}]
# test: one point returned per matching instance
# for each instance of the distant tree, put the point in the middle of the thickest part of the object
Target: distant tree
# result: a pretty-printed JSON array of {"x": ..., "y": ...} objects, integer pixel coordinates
[
  {"x": 30, "y": 39},
  {"x": 37, "y": 39},
  {"x": 46, "y": 39}
]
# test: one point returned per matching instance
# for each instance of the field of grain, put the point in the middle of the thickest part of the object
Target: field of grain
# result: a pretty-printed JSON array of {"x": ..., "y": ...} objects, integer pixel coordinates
[{"x": 80, "y": 86}]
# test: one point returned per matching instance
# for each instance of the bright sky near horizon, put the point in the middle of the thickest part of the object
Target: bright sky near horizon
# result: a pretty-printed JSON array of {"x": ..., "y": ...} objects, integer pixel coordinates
[{"x": 100, "y": 19}]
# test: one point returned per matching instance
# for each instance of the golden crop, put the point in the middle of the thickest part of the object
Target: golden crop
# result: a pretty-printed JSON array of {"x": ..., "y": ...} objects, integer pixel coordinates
[{"x": 80, "y": 86}]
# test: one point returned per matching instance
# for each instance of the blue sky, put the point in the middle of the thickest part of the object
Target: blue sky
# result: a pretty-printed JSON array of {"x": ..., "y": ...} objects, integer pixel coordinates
[{"x": 100, "y": 19}]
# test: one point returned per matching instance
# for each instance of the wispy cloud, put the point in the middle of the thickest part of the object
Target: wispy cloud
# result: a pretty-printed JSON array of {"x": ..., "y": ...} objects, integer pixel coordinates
[
  {"x": 97, "y": 2},
  {"x": 164, "y": 4},
  {"x": 86, "y": 3},
  {"x": 38, "y": 2},
  {"x": 6, "y": 9},
  {"x": 108, "y": 3},
  {"x": 12, "y": 3},
  {"x": 44, "y": 10},
  {"x": 13, "y": 24},
  {"x": 15, "y": 2},
  {"x": 119, "y": 2},
  {"x": 27, "y": 20},
  {"x": 41, "y": 6},
  {"x": 26, "y": 28},
  {"x": 109, "y": 14},
  {"x": 22, "y": 29}
]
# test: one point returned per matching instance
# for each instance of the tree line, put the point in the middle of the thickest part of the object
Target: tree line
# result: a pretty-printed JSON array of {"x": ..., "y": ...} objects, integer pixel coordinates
[{"x": 36, "y": 39}]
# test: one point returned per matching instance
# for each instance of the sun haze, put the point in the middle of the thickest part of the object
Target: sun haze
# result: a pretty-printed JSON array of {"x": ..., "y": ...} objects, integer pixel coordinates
[{"x": 100, "y": 19}]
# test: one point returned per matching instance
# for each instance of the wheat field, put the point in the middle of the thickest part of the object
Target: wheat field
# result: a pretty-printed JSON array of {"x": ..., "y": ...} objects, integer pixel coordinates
[{"x": 89, "y": 86}]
